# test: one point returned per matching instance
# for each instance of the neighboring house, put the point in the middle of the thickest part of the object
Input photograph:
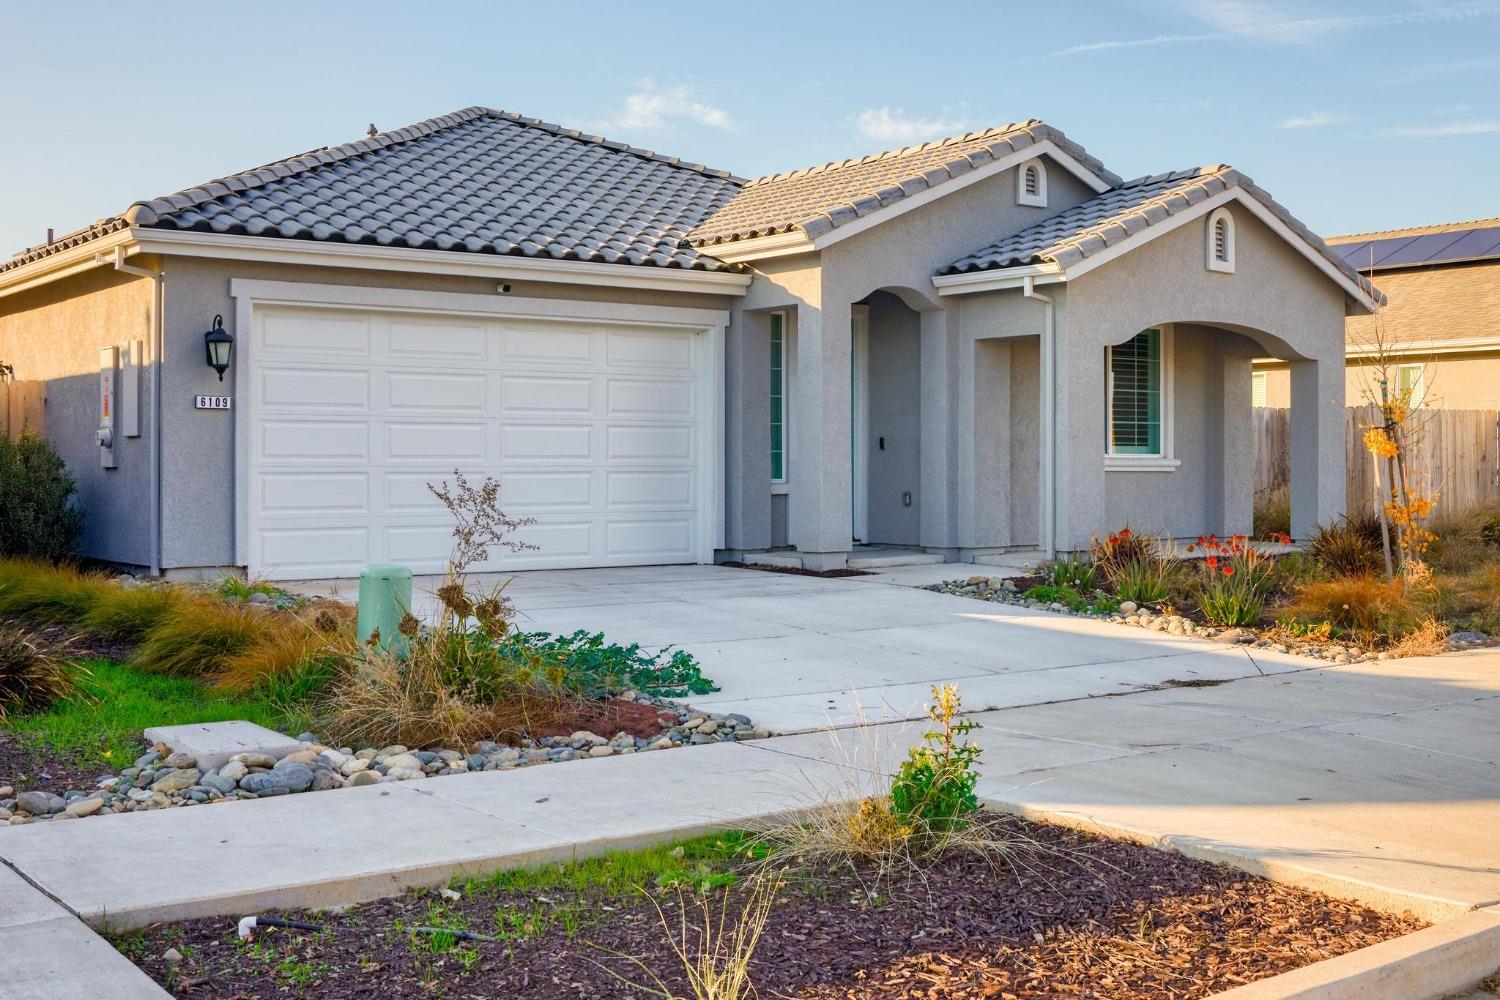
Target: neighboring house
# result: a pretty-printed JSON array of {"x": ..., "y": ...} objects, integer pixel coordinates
[
  {"x": 985, "y": 343},
  {"x": 1440, "y": 328}
]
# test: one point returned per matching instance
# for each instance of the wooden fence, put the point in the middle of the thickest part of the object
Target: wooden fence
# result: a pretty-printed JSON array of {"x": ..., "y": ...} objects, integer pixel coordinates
[
  {"x": 1457, "y": 450},
  {"x": 22, "y": 404}
]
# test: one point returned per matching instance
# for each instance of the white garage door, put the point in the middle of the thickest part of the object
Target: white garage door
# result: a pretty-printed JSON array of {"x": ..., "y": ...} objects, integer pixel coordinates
[{"x": 596, "y": 430}]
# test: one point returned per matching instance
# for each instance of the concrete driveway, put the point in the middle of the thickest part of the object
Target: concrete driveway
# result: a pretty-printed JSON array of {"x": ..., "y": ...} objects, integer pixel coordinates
[{"x": 798, "y": 653}]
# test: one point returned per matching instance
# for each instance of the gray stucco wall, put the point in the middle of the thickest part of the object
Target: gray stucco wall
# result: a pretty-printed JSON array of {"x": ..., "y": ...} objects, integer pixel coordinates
[
  {"x": 900, "y": 256},
  {"x": 54, "y": 333},
  {"x": 893, "y": 450}
]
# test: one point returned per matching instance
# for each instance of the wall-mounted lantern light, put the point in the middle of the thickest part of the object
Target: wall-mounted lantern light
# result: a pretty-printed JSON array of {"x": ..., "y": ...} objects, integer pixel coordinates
[{"x": 219, "y": 343}]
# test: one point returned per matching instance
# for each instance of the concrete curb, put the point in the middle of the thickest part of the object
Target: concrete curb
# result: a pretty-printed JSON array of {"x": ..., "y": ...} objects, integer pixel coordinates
[{"x": 1437, "y": 962}]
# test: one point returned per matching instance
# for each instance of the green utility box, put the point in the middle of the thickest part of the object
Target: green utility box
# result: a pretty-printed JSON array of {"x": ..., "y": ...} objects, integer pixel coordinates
[{"x": 384, "y": 596}]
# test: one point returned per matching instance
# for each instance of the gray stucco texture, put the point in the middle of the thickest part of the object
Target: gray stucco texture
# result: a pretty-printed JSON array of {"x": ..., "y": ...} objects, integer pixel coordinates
[{"x": 1103, "y": 221}]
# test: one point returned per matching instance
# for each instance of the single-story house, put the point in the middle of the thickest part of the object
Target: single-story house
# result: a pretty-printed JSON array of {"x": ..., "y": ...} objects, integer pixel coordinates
[
  {"x": 1439, "y": 331},
  {"x": 980, "y": 344}
]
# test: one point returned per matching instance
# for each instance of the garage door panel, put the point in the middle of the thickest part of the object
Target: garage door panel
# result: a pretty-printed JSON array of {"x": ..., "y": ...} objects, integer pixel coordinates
[
  {"x": 592, "y": 429},
  {"x": 540, "y": 491},
  {"x": 421, "y": 341},
  {"x": 649, "y": 398},
  {"x": 313, "y": 493},
  {"x": 546, "y": 343},
  {"x": 635, "y": 443},
  {"x": 290, "y": 439},
  {"x": 312, "y": 388},
  {"x": 409, "y": 392},
  {"x": 521, "y": 442},
  {"x": 633, "y": 539},
  {"x": 530, "y": 394},
  {"x": 307, "y": 333},
  {"x": 649, "y": 350},
  {"x": 422, "y": 442}
]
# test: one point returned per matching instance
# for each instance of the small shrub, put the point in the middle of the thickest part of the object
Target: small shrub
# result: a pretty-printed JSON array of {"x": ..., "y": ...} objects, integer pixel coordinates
[
  {"x": 1428, "y": 638},
  {"x": 1051, "y": 593},
  {"x": 1464, "y": 537},
  {"x": 1350, "y": 546},
  {"x": 933, "y": 790},
  {"x": 1122, "y": 549},
  {"x": 33, "y": 672},
  {"x": 1074, "y": 572},
  {"x": 198, "y": 636},
  {"x": 297, "y": 658},
  {"x": 590, "y": 665},
  {"x": 127, "y": 613},
  {"x": 38, "y": 517},
  {"x": 1234, "y": 579},
  {"x": 1147, "y": 581},
  {"x": 1272, "y": 511},
  {"x": 1365, "y": 607},
  {"x": 237, "y": 588}
]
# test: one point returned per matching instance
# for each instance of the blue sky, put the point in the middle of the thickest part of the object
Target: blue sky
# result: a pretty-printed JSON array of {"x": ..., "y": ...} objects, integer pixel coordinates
[{"x": 1356, "y": 116}]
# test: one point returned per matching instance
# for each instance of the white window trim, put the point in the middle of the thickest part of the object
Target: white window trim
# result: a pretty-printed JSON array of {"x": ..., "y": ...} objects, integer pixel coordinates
[
  {"x": 1218, "y": 215},
  {"x": 779, "y": 484},
  {"x": 1166, "y": 460},
  {"x": 1419, "y": 394},
  {"x": 1038, "y": 200}
]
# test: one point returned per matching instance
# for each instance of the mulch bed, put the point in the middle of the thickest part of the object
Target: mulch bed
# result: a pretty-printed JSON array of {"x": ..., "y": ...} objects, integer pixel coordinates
[
  {"x": 1075, "y": 917},
  {"x": 27, "y": 767},
  {"x": 830, "y": 574}
]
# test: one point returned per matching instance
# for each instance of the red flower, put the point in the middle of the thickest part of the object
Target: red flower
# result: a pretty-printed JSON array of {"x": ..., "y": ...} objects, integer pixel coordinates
[
  {"x": 1124, "y": 533},
  {"x": 1213, "y": 562},
  {"x": 1228, "y": 570}
]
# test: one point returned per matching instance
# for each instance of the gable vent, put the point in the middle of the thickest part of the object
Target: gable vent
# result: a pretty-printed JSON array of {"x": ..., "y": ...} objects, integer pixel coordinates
[
  {"x": 1033, "y": 185},
  {"x": 1221, "y": 240}
]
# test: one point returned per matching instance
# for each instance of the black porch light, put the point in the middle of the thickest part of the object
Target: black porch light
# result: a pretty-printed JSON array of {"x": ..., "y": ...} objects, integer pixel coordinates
[{"x": 219, "y": 343}]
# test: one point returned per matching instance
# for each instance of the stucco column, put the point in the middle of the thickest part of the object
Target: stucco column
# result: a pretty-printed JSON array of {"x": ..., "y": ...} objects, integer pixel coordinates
[
  {"x": 939, "y": 433},
  {"x": 1236, "y": 486},
  {"x": 821, "y": 512},
  {"x": 1317, "y": 444},
  {"x": 747, "y": 432},
  {"x": 1080, "y": 438}
]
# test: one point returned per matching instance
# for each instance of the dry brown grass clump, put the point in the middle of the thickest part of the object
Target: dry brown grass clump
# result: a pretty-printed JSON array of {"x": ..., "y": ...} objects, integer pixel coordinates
[
  {"x": 323, "y": 631},
  {"x": 1366, "y": 607}
]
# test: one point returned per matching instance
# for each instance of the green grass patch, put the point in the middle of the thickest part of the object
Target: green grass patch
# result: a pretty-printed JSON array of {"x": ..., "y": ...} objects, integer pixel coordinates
[{"x": 105, "y": 726}]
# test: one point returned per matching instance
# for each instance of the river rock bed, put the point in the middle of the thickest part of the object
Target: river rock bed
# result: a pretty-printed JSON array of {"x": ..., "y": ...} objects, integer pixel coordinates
[
  {"x": 1002, "y": 591},
  {"x": 163, "y": 779}
]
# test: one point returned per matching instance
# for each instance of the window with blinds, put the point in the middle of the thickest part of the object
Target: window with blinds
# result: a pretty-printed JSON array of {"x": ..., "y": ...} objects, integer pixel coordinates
[
  {"x": 1258, "y": 389},
  {"x": 1135, "y": 379},
  {"x": 778, "y": 398}
]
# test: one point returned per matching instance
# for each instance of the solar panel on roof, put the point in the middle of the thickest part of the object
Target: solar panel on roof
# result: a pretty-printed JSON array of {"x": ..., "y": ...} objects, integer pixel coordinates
[
  {"x": 1473, "y": 243},
  {"x": 1420, "y": 250}
]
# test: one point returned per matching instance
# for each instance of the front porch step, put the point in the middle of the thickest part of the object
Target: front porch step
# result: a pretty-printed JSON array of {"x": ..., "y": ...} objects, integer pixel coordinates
[
  {"x": 884, "y": 560},
  {"x": 785, "y": 560}
]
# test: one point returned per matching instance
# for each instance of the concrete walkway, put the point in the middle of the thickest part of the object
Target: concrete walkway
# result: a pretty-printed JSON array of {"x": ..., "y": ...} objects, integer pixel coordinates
[{"x": 799, "y": 653}]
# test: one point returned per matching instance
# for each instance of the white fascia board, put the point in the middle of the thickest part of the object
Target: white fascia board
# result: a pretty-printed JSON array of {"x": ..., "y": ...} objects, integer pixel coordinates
[
  {"x": 998, "y": 279},
  {"x": 65, "y": 263},
  {"x": 786, "y": 244},
  {"x": 490, "y": 266}
]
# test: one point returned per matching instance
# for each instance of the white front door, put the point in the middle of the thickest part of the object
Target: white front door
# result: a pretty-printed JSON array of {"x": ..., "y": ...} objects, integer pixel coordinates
[{"x": 598, "y": 430}]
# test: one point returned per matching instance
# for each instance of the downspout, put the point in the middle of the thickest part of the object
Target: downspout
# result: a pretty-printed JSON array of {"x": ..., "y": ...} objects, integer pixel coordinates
[
  {"x": 158, "y": 352},
  {"x": 1049, "y": 416}
]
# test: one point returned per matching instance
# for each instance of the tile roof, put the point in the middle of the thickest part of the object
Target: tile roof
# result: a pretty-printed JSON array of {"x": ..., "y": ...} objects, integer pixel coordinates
[
  {"x": 1106, "y": 219},
  {"x": 820, "y": 199},
  {"x": 478, "y": 180}
]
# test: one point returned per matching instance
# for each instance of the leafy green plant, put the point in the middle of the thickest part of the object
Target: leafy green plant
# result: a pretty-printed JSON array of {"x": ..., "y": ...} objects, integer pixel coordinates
[
  {"x": 38, "y": 515},
  {"x": 933, "y": 791},
  {"x": 1144, "y": 581},
  {"x": 33, "y": 672},
  {"x": 237, "y": 588},
  {"x": 1073, "y": 571},
  {"x": 590, "y": 664},
  {"x": 1051, "y": 593},
  {"x": 1235, "y": 579}
]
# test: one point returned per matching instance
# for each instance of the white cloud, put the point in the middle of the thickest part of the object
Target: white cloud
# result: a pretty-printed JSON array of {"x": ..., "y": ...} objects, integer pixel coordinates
[
  {"x": 1445, "y": 129},
  {"x": 894, "y": 125},
  {"x": 1258, "y": 21},
  {"x": 1313, "y": 119},
  {"x": 652, "y": 106}
]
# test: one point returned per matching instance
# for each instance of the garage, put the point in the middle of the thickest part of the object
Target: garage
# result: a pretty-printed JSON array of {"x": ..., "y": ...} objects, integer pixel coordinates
[{"x": 599, "y": 429}]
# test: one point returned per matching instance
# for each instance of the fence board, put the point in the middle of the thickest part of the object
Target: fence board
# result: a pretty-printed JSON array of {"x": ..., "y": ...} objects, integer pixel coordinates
[{"x": 1456, "y": 451}]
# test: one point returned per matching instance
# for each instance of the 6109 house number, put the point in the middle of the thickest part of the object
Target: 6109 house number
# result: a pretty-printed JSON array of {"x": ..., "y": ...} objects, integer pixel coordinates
[{"x": 211, "y": 402}]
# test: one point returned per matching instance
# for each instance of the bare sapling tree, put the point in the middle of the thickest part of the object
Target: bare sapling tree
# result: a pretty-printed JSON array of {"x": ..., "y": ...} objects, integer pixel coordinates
[{"x": 478, "y": 522}]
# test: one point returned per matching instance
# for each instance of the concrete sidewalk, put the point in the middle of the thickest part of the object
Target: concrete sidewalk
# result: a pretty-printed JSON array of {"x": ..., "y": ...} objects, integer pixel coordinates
[
  {"x": 798, "y": 653},
  {"x": 1377, "y": 782}
]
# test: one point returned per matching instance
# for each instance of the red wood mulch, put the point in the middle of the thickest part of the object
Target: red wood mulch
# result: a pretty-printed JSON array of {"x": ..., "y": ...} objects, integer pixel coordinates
[{"x": 1078, "y": 917}]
